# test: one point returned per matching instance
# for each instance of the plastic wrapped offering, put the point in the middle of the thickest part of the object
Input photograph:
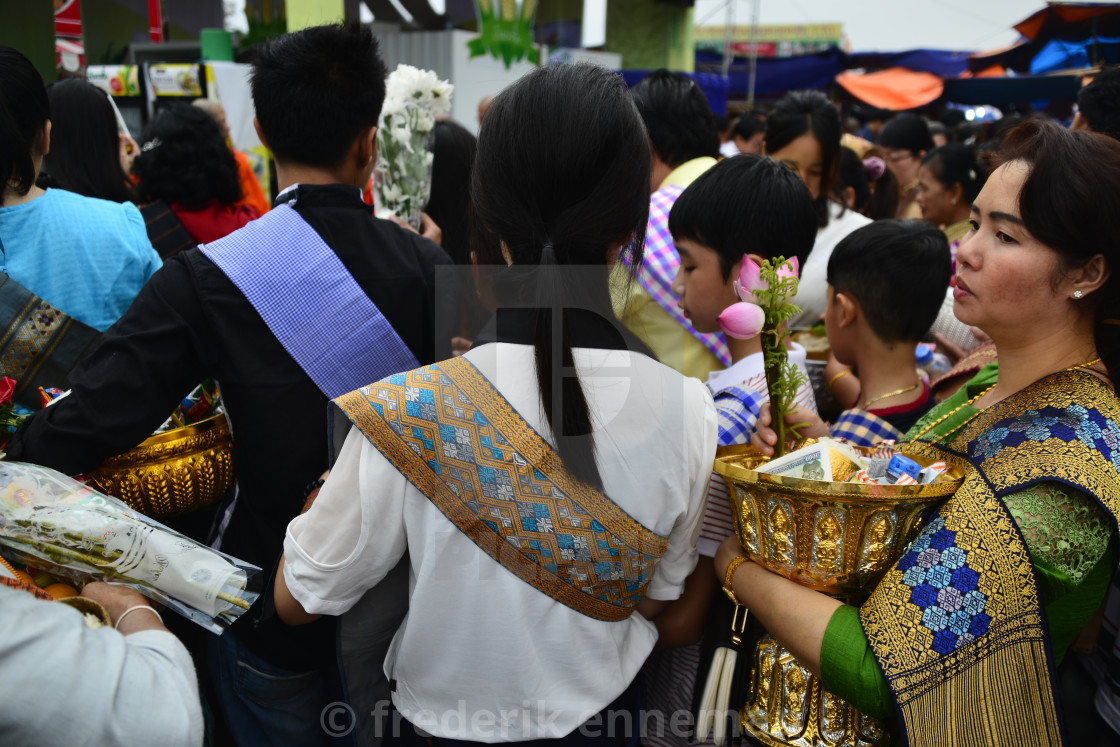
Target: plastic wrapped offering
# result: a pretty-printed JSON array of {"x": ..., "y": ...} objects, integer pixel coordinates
[{"x": 54, "y": 522}]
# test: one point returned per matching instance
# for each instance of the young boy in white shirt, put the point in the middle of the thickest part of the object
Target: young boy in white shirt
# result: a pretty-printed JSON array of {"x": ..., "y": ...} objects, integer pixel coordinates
[
  {"x": 743, "y": 207},
  {"x": 747, "y": 206}
]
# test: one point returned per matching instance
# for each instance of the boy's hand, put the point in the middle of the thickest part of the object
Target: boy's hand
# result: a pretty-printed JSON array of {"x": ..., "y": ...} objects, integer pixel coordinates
[
  {"x": 809, "y": 425},
  {"x": 429, "y": 229}
]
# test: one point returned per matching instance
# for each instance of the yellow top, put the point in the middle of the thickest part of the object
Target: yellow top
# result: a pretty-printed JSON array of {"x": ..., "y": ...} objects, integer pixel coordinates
[
  {"x": 674, "y": 345},
  {"x": 954, "y": 232},
  {"x": 688, "y": 172},
  {"x": 671, "y": 343}
]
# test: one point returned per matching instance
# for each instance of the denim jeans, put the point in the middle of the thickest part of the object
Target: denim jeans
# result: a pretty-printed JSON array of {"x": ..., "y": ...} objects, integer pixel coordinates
[{"x": 266, "y": 705}]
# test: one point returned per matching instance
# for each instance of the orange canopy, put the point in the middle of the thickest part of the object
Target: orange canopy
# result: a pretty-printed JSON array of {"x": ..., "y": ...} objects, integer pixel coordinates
[
  {"x": 895, "y": 88},
  {"x": 1070, "y": 22}
]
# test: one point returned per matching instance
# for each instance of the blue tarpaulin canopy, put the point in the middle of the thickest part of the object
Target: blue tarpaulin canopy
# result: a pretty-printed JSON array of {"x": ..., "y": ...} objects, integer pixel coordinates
[
  {"x": 1058, "y": 54},
  {"x": 777, "y": 76},
  {"x": 939, "y": 62}
]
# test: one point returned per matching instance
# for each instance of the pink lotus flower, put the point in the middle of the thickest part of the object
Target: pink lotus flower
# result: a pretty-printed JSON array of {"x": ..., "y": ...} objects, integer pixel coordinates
[
  {"x": 750, "y": 279},
  {"x": 742, "y": 320},
  {"x": 789, "y": 269}
]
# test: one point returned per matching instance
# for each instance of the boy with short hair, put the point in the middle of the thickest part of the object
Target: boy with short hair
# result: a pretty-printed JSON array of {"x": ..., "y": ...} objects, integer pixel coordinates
[
  {"x": 747, "y": 206},
  {"x": 886, "y": 284}
]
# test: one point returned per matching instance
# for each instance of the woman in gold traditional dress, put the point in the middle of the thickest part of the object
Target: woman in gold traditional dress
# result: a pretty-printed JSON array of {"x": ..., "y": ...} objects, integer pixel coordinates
[{"x": 970, "y": 623}]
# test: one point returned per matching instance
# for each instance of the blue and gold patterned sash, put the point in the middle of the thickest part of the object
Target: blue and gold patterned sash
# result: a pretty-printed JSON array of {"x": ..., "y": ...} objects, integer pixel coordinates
[
  {"x": 957, "y": 624},
  {"x": 459, "y": 441}
]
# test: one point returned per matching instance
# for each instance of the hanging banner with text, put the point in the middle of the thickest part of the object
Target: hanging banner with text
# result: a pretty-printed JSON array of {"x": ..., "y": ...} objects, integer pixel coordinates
[{"x": 772, "y": 41}]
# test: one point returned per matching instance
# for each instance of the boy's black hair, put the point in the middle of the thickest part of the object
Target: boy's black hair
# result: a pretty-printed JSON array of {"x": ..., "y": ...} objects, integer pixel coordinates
[
  {"x": 747, "y": 205},
  {"x": 748, "y": 126},
  {"x": 677, "y": 116},
  {"x": 1099, "y": 103},
  {"x": 907, "y": 132},
  {"x": 315, "y": 90},
  {"x": 898, "y": 271}
]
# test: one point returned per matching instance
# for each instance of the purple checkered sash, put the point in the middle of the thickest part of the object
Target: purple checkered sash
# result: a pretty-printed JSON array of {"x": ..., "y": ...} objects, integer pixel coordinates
[
  {"x": 660, "y": 264},
  {"x": 311, "y": 302}
]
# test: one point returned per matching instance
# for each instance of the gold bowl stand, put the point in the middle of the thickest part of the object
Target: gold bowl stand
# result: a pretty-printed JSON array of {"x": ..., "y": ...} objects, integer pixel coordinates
[{"x": 837, "y": 538}]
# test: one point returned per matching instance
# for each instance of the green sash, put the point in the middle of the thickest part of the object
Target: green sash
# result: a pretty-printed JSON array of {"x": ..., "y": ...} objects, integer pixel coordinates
[
  {"x": 957, "y": 624},
  {"x": 40, "y": 344},
  {"x": 459, "y": 441}
]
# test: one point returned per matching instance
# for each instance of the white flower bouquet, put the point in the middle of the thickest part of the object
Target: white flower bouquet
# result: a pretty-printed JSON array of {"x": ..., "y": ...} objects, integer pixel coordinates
[
  {"x": 414, "y": 98},
  {"x": 55, "y": 523}
]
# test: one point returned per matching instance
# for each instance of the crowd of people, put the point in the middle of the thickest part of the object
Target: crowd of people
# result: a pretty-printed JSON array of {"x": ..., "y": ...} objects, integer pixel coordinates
[{"x": 477, "y": 477}]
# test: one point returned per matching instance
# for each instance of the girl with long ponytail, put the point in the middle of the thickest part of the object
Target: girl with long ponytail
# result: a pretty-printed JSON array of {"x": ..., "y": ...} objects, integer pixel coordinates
[{"x": 547, "y": 485}]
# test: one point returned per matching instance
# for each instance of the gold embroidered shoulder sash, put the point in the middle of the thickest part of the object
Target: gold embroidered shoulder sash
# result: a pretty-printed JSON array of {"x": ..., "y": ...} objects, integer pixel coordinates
[
  {"x": 957, "y": 624},
  {"x": 456, "y": 438}
]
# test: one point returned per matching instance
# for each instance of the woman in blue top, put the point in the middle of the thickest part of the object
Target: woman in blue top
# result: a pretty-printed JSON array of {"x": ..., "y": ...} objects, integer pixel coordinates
[{"x": 87, "y": 258}]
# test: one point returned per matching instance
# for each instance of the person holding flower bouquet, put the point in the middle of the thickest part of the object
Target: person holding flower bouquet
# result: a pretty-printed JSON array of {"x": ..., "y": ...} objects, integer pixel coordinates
[
  {"x": 312, "y": 299},
  {"x": 735, "y": 217},
  {"x": 547, "y": 485},
  {"x": 962, "y": 636}
]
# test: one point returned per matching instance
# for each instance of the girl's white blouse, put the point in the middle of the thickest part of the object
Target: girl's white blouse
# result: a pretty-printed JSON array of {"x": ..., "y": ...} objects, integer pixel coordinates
[{"x": 482, "y": 655}]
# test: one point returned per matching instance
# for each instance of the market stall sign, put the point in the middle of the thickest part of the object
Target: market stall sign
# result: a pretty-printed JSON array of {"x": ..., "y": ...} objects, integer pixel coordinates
[
  {"x": 175, "y": 79},
  {"x": 116, "y": 80}
]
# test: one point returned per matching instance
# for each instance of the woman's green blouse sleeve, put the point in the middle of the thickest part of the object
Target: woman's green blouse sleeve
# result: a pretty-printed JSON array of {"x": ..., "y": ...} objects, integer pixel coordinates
[
  {"x": 1068, "y": 536},
  {"x": 849, "y": 669}
]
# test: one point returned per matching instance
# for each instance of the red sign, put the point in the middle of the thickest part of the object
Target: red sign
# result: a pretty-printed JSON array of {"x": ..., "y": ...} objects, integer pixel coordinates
[
  {"x": 155, "y": 20},
  {"x": 68, "y": 19}
]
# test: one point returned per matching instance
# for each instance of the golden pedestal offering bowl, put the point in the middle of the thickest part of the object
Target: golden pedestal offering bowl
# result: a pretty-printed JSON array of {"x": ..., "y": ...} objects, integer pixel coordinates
[
  {"x": 172, "y": 473},
  {"x": 837, "y": 538}
]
